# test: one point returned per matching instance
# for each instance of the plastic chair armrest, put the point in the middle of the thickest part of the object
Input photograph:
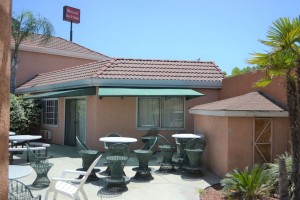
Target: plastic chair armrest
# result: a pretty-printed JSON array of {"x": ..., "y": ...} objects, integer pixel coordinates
[
  {"x": 66, "y": 179},
  {"x": 73, "y": 172}
]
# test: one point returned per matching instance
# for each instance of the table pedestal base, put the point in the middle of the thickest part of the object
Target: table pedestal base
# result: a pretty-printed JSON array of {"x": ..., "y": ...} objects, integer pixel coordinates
[
  {"x": 142, "y": 174},
  {"x": 92, "y": 176},
  {"x": 42, "y": 181},
  {"x": 166, "y": 167},
  {"x": 192, "y": 171},
  {"x": 116, "y": 185}
]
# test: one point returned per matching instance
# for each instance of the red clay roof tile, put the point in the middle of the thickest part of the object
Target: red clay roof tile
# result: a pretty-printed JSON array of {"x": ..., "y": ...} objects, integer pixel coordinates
[
  {"x": 58, "y": 44},
  {"x": 119, "y": 68}
]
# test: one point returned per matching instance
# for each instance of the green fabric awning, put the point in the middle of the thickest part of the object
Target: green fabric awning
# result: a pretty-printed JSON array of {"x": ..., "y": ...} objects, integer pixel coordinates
[
  {"x": 65, "y": 93},
  {"x": 136, "y": 92}
]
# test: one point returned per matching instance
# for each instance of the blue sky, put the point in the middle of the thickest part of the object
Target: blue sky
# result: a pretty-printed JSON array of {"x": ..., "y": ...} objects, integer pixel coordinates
[{"x": 226, "y": 32}]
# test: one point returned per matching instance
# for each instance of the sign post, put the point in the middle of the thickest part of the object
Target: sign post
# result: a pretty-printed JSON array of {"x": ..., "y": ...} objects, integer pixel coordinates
[{"x": 71, "y": 15}]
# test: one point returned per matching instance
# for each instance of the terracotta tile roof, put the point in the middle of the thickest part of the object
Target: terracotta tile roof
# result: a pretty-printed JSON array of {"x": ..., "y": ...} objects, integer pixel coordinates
[
  {"x": 253, "y": 101},
  {"x": 162, "y": 70},
  {"x": 134, "y": 69},
  {"x": 57, "y": 44}
]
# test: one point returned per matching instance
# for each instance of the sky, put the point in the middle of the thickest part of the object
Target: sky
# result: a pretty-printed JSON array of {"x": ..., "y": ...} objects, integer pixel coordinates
[{"x": 226, "y": 32}]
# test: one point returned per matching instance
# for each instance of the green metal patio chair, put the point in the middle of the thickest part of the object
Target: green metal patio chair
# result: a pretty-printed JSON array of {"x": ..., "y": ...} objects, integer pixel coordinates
[
  {"x": 167, "y": 151},
  {"x": 117, "y": 156},
  {"x": 194, "y": 149},
  {"x": 107, "y": 144},
  {"x": 149, "y": 139},
  {"x": 41, "y": 166},
  {"x": 143, "y": 172},
  {"x": 19, "y": 191},
  {"x": 88, "y": 157}
]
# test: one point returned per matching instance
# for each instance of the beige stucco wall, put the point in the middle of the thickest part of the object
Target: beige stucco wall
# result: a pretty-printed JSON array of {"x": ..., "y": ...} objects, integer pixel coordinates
[
  {"x": 32, "y": 64},
  {"x": 230, "y": 141},
  {"x": 242, "y": 84},
  {"x": 240, "y": 142},
  {"x": 209, "y": 96},
  {"x": 215, "y": 156},
  {"x": 281, "y": 136},
  {"x": 116, "y": 114}
]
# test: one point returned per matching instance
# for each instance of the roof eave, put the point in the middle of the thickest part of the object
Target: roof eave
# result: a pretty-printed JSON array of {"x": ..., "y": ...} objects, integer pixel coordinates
[
  {"x": 62, "y": 53},
  {"x": 122, "y": 83},
  {"x": 237, "y": 113}
]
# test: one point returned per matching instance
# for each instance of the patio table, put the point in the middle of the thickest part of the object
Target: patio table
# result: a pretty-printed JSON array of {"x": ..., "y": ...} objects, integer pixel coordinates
[
  {"x": 18, "y": 171},
  {"x": 181, "y": 140},
  {"x": 11, "y": 133},
  {"x": 118, "y": 139},
  {"x": 23, "y": 138}
]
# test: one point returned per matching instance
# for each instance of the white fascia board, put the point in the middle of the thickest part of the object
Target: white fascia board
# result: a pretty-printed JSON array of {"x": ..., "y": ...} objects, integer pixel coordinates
[
  {"x": 122, "y": 83},
  {"x": 62, "y": 53},
  {"x": 227, "y": 113},
  {"x": 57, "y": 86},
  {"x": 157, "y": 83}
]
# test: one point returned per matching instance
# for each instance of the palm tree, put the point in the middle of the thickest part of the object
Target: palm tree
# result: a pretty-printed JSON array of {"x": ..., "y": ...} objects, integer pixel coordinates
[
  {"x": 283, "y": 59},
  {"x": 5, "y": 16},
  {"x": 26, "y": 26}
]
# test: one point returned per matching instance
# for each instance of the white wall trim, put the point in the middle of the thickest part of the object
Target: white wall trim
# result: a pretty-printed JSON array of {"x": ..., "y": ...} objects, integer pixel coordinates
[
  {"x": 123, "y": 83},
  {"x": 228, "y": 113}
]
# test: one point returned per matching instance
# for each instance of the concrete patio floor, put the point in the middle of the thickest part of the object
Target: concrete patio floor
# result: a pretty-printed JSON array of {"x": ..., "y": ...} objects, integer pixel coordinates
[{"x": 164, "y": 186}]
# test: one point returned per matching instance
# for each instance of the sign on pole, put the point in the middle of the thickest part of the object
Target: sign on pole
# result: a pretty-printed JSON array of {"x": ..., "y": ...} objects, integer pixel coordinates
[{"x": 71, "y": 15}]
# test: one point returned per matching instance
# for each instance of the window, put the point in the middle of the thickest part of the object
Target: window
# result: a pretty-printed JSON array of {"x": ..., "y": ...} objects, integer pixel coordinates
[
  {"x": 49, "y": 111},
  {"x": 160, "y": 112}
]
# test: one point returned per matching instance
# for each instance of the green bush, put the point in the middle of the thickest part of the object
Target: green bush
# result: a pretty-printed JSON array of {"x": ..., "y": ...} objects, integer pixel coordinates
[
  {"x": 24, "y": 114},
  {"x": 274, "y": 173},
  {"x": 247, "y": 184}
]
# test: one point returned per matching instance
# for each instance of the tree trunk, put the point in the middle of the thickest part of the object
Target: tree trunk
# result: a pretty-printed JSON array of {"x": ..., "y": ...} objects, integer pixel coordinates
[
  {"x": 295, "y": 140},
  {"x": 293, "y": 117},
  {"x": 5, "y": 49},
  {"x": 283, "y": 181},
  {"x": 14, "y": 64}
]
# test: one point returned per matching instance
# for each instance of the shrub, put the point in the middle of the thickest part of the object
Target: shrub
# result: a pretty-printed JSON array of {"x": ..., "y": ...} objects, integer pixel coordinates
[
  {"x": 24, "y": 114},
  {"x": 274, "y": 173},
  {"x": 247, "y": 184}
]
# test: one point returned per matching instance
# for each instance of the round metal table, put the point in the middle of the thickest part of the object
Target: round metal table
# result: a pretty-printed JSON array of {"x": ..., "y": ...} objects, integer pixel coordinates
[
  {"x": 181, "y": 140},
  {"x": 118, "y": 139},
  {"x": 18, "y": 171}
]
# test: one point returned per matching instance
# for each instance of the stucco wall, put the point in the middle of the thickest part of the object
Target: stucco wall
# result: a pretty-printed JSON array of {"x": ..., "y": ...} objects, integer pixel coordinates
[
  {"x": 230, "y": 141},
  {"x": 116, "y": 114},
  {"x": 281, "y": 136},
  {"x": 209, "y": 96},
  {"x": 243, "y": 84},
  {"x": 240, "y": 142},
  {"x": 215, "y": 156},
  {"x": 32, "y": 63}
]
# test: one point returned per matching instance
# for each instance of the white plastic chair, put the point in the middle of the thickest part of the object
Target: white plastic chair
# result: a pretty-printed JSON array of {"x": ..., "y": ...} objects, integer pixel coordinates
[{"x": 70, "y": 187}]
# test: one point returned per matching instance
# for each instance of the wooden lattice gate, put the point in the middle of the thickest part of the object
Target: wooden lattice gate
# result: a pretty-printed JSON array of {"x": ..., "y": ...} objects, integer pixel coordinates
[{"x": 262, "y": 140}]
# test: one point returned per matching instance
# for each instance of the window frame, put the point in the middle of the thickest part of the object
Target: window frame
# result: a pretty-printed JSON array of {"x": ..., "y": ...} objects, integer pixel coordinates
[
  {"x": 160, "y": 114},
  {"x": 42, "y": 115}
]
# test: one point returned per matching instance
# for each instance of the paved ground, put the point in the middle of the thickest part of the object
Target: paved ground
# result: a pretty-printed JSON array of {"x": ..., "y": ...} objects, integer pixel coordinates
[{"x": 164, "y": 186}]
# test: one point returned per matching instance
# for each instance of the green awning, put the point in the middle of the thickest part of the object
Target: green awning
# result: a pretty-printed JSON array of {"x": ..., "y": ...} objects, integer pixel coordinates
[
  {"x": 65, "y": 93},
  {"x": 136, "y": 92}
]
